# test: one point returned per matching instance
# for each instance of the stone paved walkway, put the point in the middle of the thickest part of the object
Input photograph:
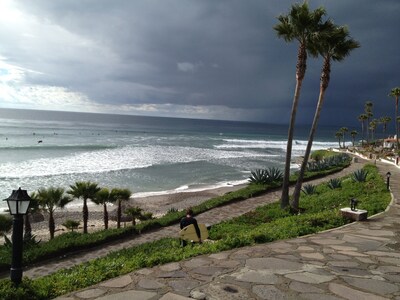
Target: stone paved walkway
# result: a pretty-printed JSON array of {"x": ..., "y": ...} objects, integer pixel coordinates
[{"x": 358, "y": 261}]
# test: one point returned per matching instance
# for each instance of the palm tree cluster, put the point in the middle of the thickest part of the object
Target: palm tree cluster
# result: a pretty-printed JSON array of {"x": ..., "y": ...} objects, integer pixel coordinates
[
  {"x": 48, "y": 199},
  {"x": 317, "y": 37}
]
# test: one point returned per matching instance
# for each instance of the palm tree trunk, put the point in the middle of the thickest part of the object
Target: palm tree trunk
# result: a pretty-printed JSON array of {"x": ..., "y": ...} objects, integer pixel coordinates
[
  {"x": 85, "y": 213},
  {"x": 397, "y": 123},
  {"x": 324, "y": 85},
  {"x": 300, "y": 72},
  {"x": 105, "y": 215},
  {"x": 52, "y": 226},
  {"x": 119, "y": 213},
  {"x": 28, "y": 226}
]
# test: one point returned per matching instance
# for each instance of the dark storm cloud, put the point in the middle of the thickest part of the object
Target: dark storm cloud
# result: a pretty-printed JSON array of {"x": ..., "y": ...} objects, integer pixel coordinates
[{"x": 206, "y": 53}]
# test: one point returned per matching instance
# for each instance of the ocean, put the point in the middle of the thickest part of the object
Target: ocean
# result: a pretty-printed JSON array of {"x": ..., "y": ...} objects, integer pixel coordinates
[{"x": 148, "y": 155}]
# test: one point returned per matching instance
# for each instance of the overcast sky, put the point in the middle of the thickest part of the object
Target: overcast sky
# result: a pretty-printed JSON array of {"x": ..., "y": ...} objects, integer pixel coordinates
[{"x": 184, "y": 58}]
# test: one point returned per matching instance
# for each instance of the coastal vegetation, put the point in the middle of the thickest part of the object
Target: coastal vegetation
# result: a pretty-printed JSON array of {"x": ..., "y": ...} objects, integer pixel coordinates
[
  {"x": 75, "y": 241},
  {"x": 320, "y": 211}
]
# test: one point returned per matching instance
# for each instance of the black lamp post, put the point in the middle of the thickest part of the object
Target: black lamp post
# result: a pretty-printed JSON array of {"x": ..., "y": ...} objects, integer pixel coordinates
[
  {"x": 388, "y": 174},
  {"x": 18, "y": 204}
]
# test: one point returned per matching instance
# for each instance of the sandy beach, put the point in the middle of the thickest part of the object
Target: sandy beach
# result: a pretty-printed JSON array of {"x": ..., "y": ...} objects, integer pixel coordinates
[{"x": 158, "y": 205}]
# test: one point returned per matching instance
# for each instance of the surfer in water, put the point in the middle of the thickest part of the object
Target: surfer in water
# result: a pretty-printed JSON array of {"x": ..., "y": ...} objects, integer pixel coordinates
[{"x": 186, "y": 221}]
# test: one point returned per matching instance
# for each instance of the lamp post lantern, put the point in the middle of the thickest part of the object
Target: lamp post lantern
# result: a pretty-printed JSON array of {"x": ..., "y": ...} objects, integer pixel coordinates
[
  {"x": 18, "y": 203},
  {"x": 388, "y": 174}
]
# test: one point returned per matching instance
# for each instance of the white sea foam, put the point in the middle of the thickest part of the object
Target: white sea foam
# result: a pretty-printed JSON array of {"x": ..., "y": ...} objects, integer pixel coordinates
[{"x": 128, "y": 157}]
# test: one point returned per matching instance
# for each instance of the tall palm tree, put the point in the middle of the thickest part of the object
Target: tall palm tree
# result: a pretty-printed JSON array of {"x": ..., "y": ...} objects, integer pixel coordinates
[
  {"x": 362, "y": 118},
  {"x": 344, "y": 130},
  {"x": 335, "y": 44},
  {"x": 368, "y": 111},
  {"x": 395, "y": 93},
  {"x": 372, "y": 127},
  {"x": 85, "y": 190},
  {"x": 385, "y": 120},
  {"x": 299, "y": 24},
  {"x": 103, "y": 197},
  {"x": 49, "y": 199},
  {"x": 120, "y": 195},
  {"x": 353, "y": 134}
]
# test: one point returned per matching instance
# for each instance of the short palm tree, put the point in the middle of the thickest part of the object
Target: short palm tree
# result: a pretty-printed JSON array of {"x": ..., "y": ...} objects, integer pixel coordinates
[
  {"x": 335, "y": 44},
  {"x": 103, "y": 197},
  {"x": 120, "y": 195},
  {"x": 395, "y": 93},
  {"x": 85, "y": 190},
  {"x": 49, "y": 199},
  {"x": 134, "y": 212},
  {"x": 339, "y": 136},
  {"x": 299, "y": 24},
  {"x": 362, "y": 118},
  {"x": 33, "y": 207}
]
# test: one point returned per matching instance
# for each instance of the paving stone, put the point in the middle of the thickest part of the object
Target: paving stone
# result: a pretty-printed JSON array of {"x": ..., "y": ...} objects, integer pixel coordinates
[
  {"x": 132, "y": 294},
  {"x": 389, "y": 260},
  {"x": 279, "y": 266},
  {"x": 312, "y": 296},
  {"x": 170, "y": 267},
  {"x": 344, "y": 248},
  {"x": 352, "y": 253},
  {"x": 196, "y": 262},
  {"x": 341, "y": 263},
  {"x": 314, "y": 255},
  {"x": 150, "y": 284},
  {"x": 118, "y": 282},
  {"x": 171, "y": 296},
  {"x": 210, "y": 271},
  {"x": 221, "y": 255},
  {"x": 198, "y": 295},
  {"x": 327, "y": 241},
  {"x": 370, "y": 232},
  {"x": 227, "y": 263},
  {"x": 347, "y": 271},
  {"x": 384, "y": 253},
  {"x": 91, "y": 293},
  {"x": 352, "y": 294},
  {"x": 269, "y": 292},
  {"x": 287, "y": 256},
  {"x": 219, "y": 291},
  {"x": 305, "y": 248},
  {"x": 177, "y": 274},
  {"x": 304, "y": 288},
  {"x": 183, "y": 285},
  {"x": 363, "y": 244},
  {"x": 388, "y": 269},
  {"x": 365, "y": 260},
  {"x": 392, "y": 277},
  {"x": 374, "y": 286},
  {"x": 259, "y": 276},
  {"x": 340, "y": 257},
  {"x": 308, "y": 277},
  {"x": 144, "y": 271}
]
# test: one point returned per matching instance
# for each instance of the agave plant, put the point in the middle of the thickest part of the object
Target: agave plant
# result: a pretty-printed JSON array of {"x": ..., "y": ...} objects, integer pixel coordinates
[
  {"x": 360, "y": 175},
  {"x": 274, "y": 174},
  {"x": 309, "y": 189},
  {"x": 334, "y": 183},
  {"x": 258, "y": 176}
]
